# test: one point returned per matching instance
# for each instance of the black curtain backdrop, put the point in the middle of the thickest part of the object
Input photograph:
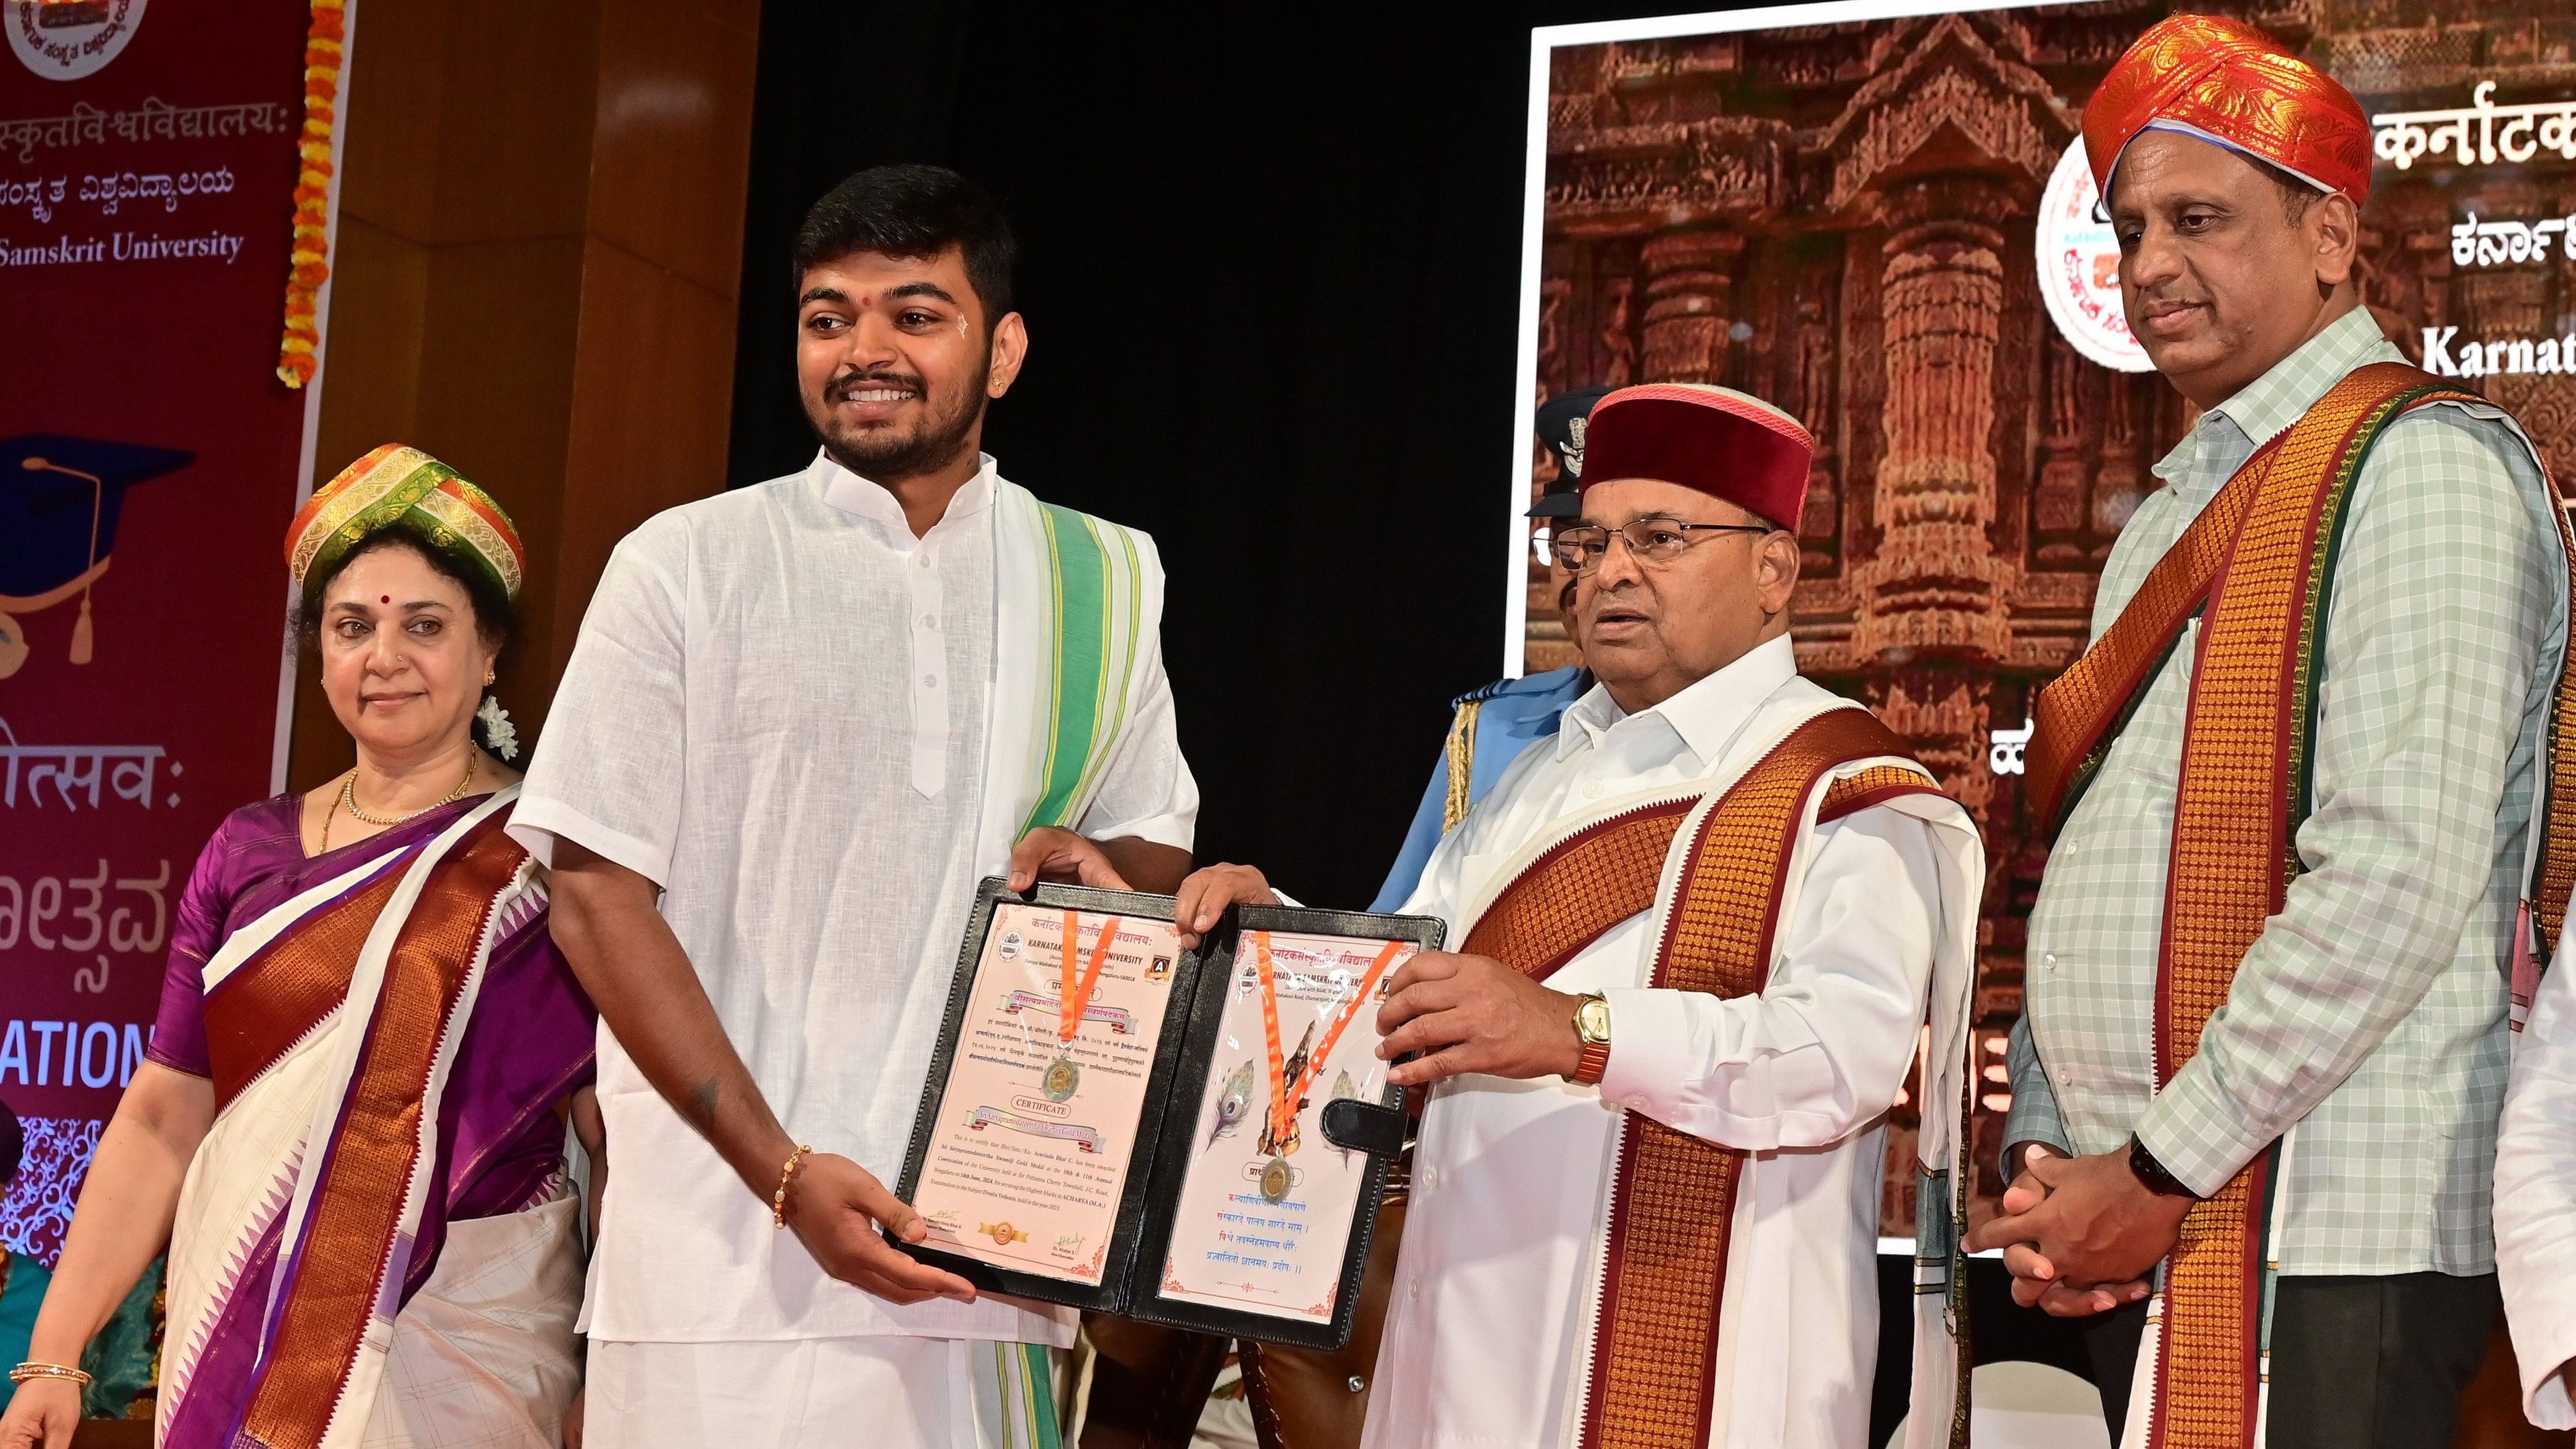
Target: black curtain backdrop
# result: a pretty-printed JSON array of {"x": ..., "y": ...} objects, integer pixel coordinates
[{"x": 1271, "y": 268}]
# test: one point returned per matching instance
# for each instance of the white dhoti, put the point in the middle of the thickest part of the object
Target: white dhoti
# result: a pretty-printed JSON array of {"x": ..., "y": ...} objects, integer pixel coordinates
[{"x": 884, "y": 1391}]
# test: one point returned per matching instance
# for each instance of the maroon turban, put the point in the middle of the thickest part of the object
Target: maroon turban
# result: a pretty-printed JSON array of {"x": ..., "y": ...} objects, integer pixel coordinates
[{"x": 1716, "y": 440}]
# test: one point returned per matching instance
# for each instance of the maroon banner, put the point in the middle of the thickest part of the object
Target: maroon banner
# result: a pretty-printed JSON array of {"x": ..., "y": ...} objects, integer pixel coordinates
[{"x": 149, "y": 461}]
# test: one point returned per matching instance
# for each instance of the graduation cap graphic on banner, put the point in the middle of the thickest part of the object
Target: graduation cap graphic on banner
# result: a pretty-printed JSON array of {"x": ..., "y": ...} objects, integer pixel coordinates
[{"x": 60, "y": 498}]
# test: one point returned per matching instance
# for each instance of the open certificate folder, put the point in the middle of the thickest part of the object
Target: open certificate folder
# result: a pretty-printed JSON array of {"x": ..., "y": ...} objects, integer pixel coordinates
[{"x": 1193, "y": 1138}]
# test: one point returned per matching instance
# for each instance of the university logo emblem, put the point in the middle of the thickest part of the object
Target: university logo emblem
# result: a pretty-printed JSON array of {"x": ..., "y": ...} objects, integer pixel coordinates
[
  {"x": 68, "y": 39},
  {"x": 2079, "y": 268},
  {"x": 1574, "y": 447}
]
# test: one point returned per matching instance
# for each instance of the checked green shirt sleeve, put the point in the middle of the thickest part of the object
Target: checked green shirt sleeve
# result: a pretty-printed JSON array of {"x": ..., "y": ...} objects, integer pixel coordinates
[
  {"x": 2034, "y": 1116},
  {"x": 2441, "y": 599}
]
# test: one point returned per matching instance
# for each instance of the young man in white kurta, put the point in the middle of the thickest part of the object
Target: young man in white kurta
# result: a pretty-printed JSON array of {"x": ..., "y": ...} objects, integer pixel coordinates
[
  {"x": 781, "y": 710},
  {"x": 802, "y": 722}
]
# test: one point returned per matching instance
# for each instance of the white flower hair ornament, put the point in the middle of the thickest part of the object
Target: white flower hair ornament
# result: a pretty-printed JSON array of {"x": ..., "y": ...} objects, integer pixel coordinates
[{"x": 499, "y": 735}]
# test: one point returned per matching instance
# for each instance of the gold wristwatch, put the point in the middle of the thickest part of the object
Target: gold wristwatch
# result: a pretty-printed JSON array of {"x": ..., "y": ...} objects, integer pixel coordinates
[{"x": 1592, "y": 1026}]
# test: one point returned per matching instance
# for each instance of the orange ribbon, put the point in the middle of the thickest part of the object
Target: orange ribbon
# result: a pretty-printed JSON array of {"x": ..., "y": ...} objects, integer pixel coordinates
[
  {"x": 1283, "y": 1104},
  {"x": 1077, "y": 995}
]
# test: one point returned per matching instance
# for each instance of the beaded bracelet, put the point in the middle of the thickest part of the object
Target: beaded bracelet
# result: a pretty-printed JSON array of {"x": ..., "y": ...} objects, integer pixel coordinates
[
  {"x": 35, "y": 1370},
  {"x": 786, "y": 1175}
]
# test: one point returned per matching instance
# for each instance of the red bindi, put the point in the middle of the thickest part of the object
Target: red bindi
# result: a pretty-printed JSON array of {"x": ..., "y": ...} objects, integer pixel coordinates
[{"x": 385, "y": 599}]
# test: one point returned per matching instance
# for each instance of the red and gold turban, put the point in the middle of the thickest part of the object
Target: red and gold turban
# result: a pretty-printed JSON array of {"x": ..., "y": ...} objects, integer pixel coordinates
[
  {"x": 2233, "y": 85},
  {"x": 1716, "y": 440},
  {"x": 399, "y": 485}
]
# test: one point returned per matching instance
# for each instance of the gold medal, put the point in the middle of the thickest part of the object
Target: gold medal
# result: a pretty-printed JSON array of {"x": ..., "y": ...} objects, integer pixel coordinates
[
  {"x": 1276, "y": 1179},
  {"x": 1062, "y": 1076}
]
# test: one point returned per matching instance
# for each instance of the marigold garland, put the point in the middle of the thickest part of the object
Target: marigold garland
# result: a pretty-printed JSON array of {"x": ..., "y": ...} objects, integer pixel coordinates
[{"x": 310, "y": 265}]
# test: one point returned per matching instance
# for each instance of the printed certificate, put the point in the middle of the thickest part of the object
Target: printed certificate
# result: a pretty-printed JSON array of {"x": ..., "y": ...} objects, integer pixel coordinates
[
  {"x": 1036, "y": 1127},
  {"x": 1267, "y": 1207}
]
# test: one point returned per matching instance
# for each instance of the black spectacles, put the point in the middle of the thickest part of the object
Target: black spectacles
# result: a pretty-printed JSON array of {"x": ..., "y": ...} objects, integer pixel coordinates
[{"x": 1653, "y": 542}]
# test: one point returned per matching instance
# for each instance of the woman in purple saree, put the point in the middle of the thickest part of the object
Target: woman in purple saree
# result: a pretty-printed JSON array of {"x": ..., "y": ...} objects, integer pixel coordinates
[{"x": 351, "y": 1130}]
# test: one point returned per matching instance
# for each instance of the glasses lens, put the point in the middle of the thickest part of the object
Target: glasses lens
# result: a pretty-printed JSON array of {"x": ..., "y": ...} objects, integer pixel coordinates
[
  {"x": 1655, "y": 541},
  {"x": 1579, "y": 550}
]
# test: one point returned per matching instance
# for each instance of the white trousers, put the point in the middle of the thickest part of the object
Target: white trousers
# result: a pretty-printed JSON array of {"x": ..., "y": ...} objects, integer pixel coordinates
[{"x": 885, "y": 1392}]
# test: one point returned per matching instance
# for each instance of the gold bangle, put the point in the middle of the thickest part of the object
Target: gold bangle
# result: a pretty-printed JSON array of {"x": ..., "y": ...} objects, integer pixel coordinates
[
  {"x": 35, "y": 1370},
  {"x": 786, "y": 1175}
]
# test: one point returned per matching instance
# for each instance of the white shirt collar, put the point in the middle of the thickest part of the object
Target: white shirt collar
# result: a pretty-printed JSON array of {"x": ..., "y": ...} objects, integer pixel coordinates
[
  {"x": 863, "y": 498},
  {"x": 1705, "y": 715}
]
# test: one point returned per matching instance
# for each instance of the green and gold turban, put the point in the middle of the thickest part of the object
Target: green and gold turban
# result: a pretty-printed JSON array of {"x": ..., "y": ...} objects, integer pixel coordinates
[{"x": 394, "y": 485}]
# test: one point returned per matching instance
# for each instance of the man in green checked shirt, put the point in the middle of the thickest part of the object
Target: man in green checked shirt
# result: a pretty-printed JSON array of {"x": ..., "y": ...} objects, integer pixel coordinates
[{"x": 2293, "y": 785}]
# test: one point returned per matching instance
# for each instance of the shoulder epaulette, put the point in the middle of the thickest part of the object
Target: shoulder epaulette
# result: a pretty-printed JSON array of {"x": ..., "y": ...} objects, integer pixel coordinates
[{"x": 1541, "y": 682}]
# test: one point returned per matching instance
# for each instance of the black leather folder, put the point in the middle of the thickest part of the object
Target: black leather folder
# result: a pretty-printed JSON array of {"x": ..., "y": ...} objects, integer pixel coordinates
[{"x": 1186, "y": 1052}]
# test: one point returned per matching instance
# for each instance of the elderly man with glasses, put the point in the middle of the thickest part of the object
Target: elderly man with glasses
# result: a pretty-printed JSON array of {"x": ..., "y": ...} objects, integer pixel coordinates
[{"x": 1695, "y": 937}]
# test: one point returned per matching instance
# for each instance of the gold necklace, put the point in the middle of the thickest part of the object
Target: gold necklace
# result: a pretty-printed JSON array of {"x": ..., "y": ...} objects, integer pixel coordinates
[{"x": 349, "y": 802}]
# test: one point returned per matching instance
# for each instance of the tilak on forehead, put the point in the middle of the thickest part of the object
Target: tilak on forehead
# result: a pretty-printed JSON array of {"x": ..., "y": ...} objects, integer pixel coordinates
[
  {"x": 2234, "y": 86},
  {"x": 868, "y": 300}
]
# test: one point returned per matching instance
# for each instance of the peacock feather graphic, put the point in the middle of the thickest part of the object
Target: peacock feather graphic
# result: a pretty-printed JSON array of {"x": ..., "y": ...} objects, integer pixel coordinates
[{"x": 1232, "y": 1103}]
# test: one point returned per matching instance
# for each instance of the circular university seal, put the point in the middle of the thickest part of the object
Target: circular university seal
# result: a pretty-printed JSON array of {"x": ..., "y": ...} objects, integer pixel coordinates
[
  {"x": 2079, "y": 268},
  {"x": 68, "y": 39}
]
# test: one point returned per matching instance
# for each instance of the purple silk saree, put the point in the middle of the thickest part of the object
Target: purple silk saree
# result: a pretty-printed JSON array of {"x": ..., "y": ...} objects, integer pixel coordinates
[{"x": 390, "y": 1032}]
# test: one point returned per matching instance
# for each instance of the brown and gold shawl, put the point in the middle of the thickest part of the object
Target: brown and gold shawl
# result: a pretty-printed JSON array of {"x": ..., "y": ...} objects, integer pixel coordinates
[{"x": 1672, "y": 1202}]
